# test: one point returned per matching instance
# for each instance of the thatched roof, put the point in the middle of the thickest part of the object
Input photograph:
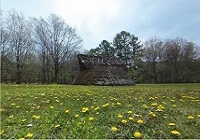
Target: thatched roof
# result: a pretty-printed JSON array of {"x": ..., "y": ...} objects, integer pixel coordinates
[{"x": 97, "y": 70}]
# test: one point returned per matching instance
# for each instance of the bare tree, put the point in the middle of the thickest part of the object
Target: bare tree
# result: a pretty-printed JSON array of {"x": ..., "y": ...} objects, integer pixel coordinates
[
  {"x": 20, "y": 40},
  {"x": 153, "y": 51},
  {"x": 5, "y": 51},
  {"x": 57, "y": 39}
]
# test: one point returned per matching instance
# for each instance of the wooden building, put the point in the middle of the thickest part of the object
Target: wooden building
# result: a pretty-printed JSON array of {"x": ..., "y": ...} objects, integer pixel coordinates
[{"x": 97, "y": 70}]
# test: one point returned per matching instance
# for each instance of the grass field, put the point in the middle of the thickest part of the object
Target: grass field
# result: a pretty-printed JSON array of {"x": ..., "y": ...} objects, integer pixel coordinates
[{"x": 62, "y": 111}]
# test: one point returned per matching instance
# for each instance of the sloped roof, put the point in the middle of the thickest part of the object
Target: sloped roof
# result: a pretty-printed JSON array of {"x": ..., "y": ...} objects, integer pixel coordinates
[{"x": 98, "y": 70}]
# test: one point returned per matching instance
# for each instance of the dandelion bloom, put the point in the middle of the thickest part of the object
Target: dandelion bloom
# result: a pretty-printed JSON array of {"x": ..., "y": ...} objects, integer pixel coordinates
[
  {"x": 130, "y": 118},
  {"x": 175, "y": 132},
  {"x": 113, "y": 128},
  {"x": 172, "y": 100},
  {"x": 97, "y": 108},
  {"x": 56, "y": 126},
  {"x": 152, "y": 114},
  {"x": 76, "y": 115},
  {"x": 57, "y": 101},
  {"x": 154, "y": 104},
  {"x": 145, "y": 106},
  {"x": 23, "y": 120},
  {"x": 67, "y": 111},
  {"x": 140, "y": 121},
  {"x": 29, "y": 135},
  {"x": 1, "y": 132},
  {"x": 36, "y": 117},
  {"x": 120, "y": 116},
  {"x": 130, "y": 112},
  {"x": 174, "y": 105},
  {"x": 124, "y": 121},
  {"x": 51, "y": 107},
  {"x": 171, "y": 124},
  {"x": 1, "y": 110},
  {"x": 92, "y": 107},
  {"x": 137, "y": 134},
  {"x": 191, "y": 117},
  {"x": 85, "y": 109},
  {"x": 105, "y": 105},
  {"x": 91, "y": 119},
  {"x": 11, "y": 116},
  {"x": 160, "y": 108},
  {"x": 13, "y": 104},
  {"x": 118, "y": 103}
]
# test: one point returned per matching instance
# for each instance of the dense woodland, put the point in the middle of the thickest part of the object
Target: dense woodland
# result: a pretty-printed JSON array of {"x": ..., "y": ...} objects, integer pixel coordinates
[{"x": 43, "y": 50}]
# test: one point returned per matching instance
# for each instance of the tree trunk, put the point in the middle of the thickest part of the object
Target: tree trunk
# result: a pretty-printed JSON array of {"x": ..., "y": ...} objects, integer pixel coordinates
[{"x": 18, "y": 72}]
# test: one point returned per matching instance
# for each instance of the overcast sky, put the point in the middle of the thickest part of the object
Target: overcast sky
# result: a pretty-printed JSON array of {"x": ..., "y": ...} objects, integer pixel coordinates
[{"x": 96, "y": 20}]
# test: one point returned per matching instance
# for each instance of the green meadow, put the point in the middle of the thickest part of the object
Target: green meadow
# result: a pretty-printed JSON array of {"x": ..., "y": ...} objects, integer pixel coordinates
[{"x": 170, "y": 111}]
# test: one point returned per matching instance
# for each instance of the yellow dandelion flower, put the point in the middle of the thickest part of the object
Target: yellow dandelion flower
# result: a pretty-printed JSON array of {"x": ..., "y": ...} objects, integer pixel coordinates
[
  {"x": 85, "y": 109},
  {"x": 118, "y": 103},
  {"x": 137, "y": 134},
  {"x": 67, "y": 111},
  {"x": 145, "y": 106},
  {"x": 154, "y": 104},
  {"x": 1, "y": 110},
  {"x": 23, "y": 120},
  {"x": 171, "y": 124},
  {"x": 165, "y": 117},
  {"x": 159, "y": 110},
  {"x": 91, "y": 119},
  {"x": 172, "y": 100},
  {"x": 191, "y": 117},
  {"x": 12, "y": 104},
  {"x": 113, "y": 128},
  {"x": 92, "y": 107},
  {"x": 57, "y": 101},
  {"x": 97, "y": 113},
  {"x": 56, "y": 126},
  {"x": 51, "y": 107},
  {"x": 175, "y": 132},
  {"x": 1, "y": 132},
  {"x": 130, "y": 118},
  {"x": 150, "y": 112},
  {"x": 140, "y": 121},
  {"x": 120, "y": 116},
  {"x": 76, "y": 115},
  {"x": 153, "y": 115},
  {"x": 11, "y": 116},
  {"x": 105, "y": 105},
  {"x": 29, "y": 135},
  {"x": 97, "y": 108},
  {"x": 36, "y": 117},
  {"x": 161, "y": 106},
  {"x": 130, "y": 112},
  {"x": 124, "y": 121}
]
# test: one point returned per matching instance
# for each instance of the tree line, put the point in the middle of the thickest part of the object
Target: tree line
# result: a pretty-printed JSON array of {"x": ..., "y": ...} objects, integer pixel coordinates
[
  {"x": 43, "y": 50},
  {"x": 156, "y": 60}
]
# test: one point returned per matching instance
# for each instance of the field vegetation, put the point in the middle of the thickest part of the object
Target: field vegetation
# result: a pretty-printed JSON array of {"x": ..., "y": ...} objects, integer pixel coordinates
[{"x": 65, "y": 112}]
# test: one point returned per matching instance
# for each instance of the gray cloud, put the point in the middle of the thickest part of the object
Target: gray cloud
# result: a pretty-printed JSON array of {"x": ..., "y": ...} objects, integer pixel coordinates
[{"x": 97, "y": 20}]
